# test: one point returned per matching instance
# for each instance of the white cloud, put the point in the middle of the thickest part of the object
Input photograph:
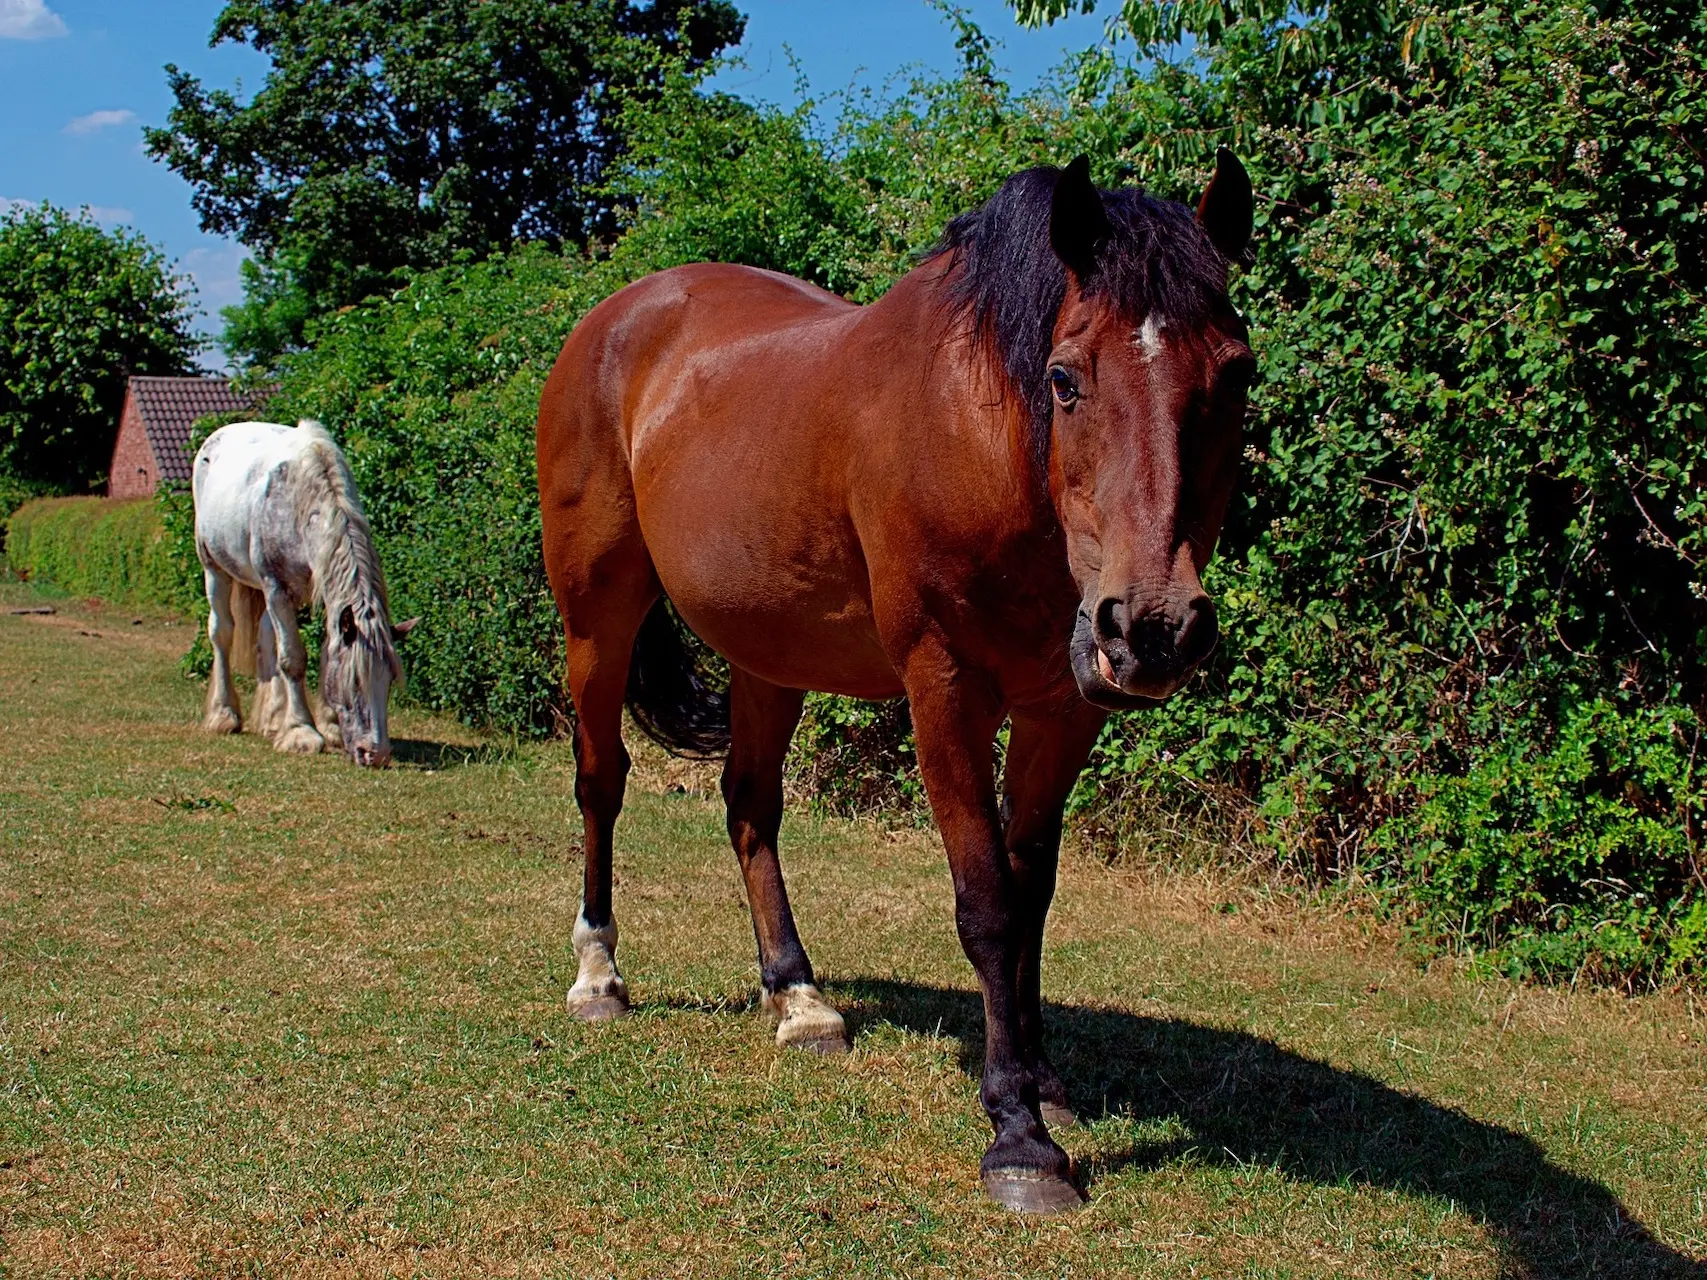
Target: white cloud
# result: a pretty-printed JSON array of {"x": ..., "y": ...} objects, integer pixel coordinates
[
  {"x": 216, "y": 271},
  {"x": 8, "y": 205},
  {"x": 97, "y": 120},
  {"x": 29, "y": 20}
]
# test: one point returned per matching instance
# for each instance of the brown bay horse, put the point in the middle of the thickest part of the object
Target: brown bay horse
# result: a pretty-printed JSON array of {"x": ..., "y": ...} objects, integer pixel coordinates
[{"x": 993, "y": 490}]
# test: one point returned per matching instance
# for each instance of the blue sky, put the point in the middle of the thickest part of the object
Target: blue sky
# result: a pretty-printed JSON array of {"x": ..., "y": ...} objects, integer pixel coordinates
[{"x": 80, "y": 78}]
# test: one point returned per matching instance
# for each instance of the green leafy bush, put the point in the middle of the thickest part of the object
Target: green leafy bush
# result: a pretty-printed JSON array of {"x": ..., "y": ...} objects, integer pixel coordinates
[
  {"x": 1563, "y": 853},
  {"x": 98, "y": 547}
]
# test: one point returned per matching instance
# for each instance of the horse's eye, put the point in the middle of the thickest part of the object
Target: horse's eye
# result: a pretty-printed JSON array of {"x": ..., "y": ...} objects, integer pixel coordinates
[{"x": 1066, "y": 390}]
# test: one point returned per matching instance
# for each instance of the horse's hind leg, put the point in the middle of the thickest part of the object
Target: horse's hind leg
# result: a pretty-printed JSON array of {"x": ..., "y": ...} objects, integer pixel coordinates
[
  {"x": 599, "y": 639},
  {"x": 267, "y": 711},
  {"x": 223, "y": 713},
  {"x": 762, "y": 720}
]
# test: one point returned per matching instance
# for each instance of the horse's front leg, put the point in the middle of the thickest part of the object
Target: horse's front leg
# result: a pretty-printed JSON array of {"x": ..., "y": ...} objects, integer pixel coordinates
[
  {"x": 955, "y": 716},
  {"x": 296, "y": 733},
  {"x": 223, "y": 713},
  {"x": 1046, "y": 750}
]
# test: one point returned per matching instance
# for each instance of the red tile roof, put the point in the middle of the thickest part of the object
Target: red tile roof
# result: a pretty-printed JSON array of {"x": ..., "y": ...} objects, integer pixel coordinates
[{"x": 171, "y": 406}]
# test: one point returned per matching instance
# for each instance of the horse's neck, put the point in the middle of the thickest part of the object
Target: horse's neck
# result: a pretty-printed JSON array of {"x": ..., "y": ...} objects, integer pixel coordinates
[
  {"x": 339, "y": 556},
  {"x": 984, "y": 418}
]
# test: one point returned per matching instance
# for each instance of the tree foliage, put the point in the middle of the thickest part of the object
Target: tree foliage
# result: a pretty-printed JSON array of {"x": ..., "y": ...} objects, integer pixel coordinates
[
  {"x": 394, "y": 133},
  {"x": 81, "y": 309}
]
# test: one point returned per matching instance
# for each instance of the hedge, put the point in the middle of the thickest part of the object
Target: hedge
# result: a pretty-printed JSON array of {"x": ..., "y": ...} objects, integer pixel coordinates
[{"x": 97, "y": 547}]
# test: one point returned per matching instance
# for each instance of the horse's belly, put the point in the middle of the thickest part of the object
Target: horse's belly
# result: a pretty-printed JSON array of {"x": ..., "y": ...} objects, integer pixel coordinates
[
  {"x": 788, "y": 609},
  {"x": 830, "y": 651}
]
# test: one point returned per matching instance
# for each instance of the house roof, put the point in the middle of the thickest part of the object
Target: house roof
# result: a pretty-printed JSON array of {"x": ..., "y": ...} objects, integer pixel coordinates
[{"x": 170, "y": 408}]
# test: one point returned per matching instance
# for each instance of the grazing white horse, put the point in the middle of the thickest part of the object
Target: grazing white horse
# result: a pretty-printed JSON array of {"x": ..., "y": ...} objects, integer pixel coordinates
[{"x": 279, "y": 526}]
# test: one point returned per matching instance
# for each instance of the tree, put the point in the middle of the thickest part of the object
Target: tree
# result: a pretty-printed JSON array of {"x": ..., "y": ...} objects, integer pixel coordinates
[
  {"x": 81, "y": 309},
  {"x": 394, "y": 133}
]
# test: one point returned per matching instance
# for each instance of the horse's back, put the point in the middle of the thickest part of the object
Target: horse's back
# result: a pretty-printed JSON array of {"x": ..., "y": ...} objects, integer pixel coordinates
[
  {"x": 640, "y": 336},
  {"x": 638, "y": 354}
]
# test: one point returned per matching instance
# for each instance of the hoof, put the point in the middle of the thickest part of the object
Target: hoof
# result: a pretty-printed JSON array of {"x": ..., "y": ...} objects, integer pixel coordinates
[
  {"x": 1031, "y": 1191},
  {"x": 598, "y": 1008},
  {"x": 223, "y": 720},
  {"x": 300, "y": 740},
  {"x": 806, "y": 1021},
  {"x": 1058, "y": 1115}
]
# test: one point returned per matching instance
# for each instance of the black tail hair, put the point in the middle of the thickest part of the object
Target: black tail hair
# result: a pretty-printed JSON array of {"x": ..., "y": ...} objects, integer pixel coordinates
[{"x": 677, "y": 691}]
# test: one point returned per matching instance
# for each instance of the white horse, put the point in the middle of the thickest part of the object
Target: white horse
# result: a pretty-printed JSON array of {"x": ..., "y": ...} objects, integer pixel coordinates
[{"x": 279, "y": 526}]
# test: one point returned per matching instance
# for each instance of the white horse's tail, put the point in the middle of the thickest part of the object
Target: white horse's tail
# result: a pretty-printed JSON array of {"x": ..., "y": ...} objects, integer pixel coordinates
[{"x": 247, "y": 604}]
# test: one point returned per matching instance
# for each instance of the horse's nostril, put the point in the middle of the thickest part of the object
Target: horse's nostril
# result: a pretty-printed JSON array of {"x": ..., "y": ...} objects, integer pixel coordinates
[
  {"x": 1110, "y": 620},
  {"x": 1196, "y": 634}
]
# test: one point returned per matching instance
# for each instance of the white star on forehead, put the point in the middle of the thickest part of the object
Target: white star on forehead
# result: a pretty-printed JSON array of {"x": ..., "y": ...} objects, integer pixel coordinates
[{"x": 1148, "y": 339}]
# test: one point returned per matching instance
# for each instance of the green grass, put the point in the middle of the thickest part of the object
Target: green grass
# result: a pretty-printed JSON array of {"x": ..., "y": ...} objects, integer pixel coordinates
[{"x": 264, "y": 1015}]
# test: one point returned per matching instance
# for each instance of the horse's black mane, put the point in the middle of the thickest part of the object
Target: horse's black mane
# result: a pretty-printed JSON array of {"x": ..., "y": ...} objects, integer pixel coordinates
[{"x": 1158, "y": 262}]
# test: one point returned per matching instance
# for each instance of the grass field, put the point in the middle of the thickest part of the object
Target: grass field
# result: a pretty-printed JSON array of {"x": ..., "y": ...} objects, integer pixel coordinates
[{"x": 266, "y": 1015}]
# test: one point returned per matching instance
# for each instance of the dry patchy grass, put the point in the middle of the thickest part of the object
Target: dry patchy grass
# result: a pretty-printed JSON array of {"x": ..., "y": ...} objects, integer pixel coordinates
[{"x": 263, "y": 1015}]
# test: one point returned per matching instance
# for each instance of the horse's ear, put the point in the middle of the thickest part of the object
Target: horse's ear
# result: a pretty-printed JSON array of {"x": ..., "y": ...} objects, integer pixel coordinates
[
  {"x": 401, "y": 629},
  {"x": 1077, "y": 222},
  {"x": 1227, "y": 208},
  {"x": 347, "y": 625}
]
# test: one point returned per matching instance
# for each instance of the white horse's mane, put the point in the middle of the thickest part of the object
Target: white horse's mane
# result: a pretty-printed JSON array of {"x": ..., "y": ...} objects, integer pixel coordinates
[{"x": 345, "y": 567}]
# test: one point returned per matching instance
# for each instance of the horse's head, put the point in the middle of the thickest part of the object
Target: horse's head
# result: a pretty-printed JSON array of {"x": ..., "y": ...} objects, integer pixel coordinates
[
  {"x": 1147, "y": 374},
  {"x": 358, "y": 666}
]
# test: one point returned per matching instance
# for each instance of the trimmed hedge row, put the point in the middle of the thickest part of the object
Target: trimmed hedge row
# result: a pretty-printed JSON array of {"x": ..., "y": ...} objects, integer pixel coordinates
[{"x": 114, "y": 550}]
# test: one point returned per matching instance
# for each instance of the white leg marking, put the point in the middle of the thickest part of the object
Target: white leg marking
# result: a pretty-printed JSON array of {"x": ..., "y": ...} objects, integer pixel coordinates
[
  {"x": 599, "y": 991},
  {"x": 223, "y": 715},
  {"x": 806, "y": 1020}
]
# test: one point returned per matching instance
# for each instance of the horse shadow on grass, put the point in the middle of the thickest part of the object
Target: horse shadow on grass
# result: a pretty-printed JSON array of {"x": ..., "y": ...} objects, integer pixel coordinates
[
  {"x": 1242, "y": 1099},
  {"x": 422, "y": 753}
]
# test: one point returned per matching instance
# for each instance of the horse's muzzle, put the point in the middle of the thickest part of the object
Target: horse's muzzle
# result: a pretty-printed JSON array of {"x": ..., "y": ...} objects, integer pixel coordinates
[
  {"x": 1121, "y": 665},
  {"x": 371, "y": 757}
]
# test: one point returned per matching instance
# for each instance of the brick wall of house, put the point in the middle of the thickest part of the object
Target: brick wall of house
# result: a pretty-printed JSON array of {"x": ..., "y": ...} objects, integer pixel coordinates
[{"x": 134, "y": 472}]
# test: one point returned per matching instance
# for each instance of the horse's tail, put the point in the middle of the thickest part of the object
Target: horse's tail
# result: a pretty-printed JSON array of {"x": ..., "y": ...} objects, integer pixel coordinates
[
  {"x": 674, "y": 691},
  {"x": 246, "y": 606}
]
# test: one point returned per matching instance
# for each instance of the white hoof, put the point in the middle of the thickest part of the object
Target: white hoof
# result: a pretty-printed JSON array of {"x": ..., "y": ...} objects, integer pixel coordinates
[
  {"x": 223, "y": 720},
  {"x": 327, "y": 722},
  {"x": 300, "y": 740},
  {"x": 599, "y": 993},
  {"x": 805, "y": 1020}
]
